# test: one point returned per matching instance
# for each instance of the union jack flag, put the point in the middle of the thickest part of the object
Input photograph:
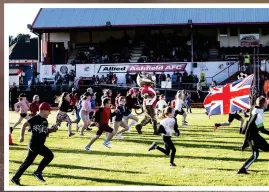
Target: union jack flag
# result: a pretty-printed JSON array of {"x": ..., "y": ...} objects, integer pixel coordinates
[{"x": 229, "y": 98}]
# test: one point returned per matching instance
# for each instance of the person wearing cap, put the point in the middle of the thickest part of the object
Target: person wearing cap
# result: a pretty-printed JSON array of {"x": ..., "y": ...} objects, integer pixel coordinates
[
  {"x": 39, "y": 132},
  {"x": 22, "y": 107}
]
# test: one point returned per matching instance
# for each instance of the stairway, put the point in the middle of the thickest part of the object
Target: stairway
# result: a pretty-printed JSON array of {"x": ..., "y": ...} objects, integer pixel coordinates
[
  {"x": 136, "y": 53},
  {"x": 213, "y": 54}
]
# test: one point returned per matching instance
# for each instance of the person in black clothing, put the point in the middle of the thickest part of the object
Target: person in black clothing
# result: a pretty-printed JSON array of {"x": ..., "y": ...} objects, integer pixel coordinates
[
  {"x": 39, "y": 129},
  {"x": 64, "y": 108},
  {"x": 167, "y": 127},
  {"x": 13, "y": 95},
  {"x": 252, "y": 136}
]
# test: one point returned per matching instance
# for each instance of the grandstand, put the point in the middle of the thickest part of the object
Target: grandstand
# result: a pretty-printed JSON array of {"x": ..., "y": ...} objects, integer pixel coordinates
[{"x": 207, "y": 41}]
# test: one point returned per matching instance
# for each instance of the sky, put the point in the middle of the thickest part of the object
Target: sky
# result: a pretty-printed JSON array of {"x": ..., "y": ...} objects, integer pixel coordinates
[{"x": 18, "y": 16}]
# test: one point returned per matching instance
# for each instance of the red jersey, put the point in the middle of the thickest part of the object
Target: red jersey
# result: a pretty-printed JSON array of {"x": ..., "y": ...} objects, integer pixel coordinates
[
  {"x": 150, "y": 95},
  {"x": 105, "y": 116},
  {"x": 73, "y": 99},
  {"x": 173, "y": 104},
  {"x": 34, "y": 108}
]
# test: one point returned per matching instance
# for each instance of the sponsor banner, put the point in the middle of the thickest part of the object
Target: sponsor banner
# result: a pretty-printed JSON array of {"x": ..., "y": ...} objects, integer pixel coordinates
[
  {"x": 124, "y": 68},
  {"x": 249, "y": 39},
  {"x": 85, "y": 70},
  {"x": 49, "y": 71},
  {"x": 113, "y": 68},
  {"x": 157, "y": 68}
]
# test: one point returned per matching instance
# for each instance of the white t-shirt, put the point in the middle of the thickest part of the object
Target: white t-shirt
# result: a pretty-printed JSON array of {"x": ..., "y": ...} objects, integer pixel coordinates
[
  {"x": 179, "y": 104},
  {"x": 168, "y": 124},
  {"x": 161, "y": 104},
  {"x": 260, "y": 117}
]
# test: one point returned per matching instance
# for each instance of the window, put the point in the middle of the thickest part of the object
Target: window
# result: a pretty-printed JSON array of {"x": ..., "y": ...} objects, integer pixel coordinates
[
  {"x": 233, "y": 31},
  {"x": 250, "y": 30},
  {"x": 265, "y": 31},
  {"x": 223, "y": 32}
]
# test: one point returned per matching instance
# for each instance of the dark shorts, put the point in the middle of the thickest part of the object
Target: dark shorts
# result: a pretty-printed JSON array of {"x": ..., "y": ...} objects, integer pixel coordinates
[
  {"x": 91, "y": 115},
  {"x": 181, "y": 112},
  {"x": 234, "y": 116},
  {"x": 23, "y": 115},
  {"x": 104, "y": 128}
]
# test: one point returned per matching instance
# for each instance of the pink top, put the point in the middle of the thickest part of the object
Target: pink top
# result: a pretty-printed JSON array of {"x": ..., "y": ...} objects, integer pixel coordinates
[
  {"x": 86, "y": 106},
  {"x": 22, "y": 105}
]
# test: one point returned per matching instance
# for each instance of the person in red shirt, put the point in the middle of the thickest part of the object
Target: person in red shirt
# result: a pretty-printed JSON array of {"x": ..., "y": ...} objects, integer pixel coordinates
[
  {"x": 34, "y": 106},
  {"x": 101, "y": 118},
  {"x": 73, "y": 100}
]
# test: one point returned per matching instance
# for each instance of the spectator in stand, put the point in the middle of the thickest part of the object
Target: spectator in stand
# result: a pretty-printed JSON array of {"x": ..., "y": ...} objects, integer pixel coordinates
[
  {"x": 65, "y": 81},
  {"x": 162, "y": 77},
  {"x": 128, "y": 78},
  {"x": 190, "y": 80},
  {"x": 72, "y": 77},
  {"x": 97, "y": 81},
  {"x": 168, "y": 77},
  {"x": 247, "y": 63},
  {"x": 114, "y": 79},
  {"x": 174, "y": 78},
  {"x": 46, "y": 84},
  {"x": 102, "y": 79},
  {"x": 241, "y": 62},
  {"x": 13, "y": 93}
]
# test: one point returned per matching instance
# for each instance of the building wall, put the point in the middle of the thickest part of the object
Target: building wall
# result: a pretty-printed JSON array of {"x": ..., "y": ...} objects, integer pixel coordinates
[
  {"x": 230, "y": 41},
  {"x": 60, "y": 37}
]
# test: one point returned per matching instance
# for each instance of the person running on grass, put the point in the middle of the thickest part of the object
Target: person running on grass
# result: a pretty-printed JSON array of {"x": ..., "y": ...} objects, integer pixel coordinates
[
  {"x": 117, "y": 99},
  {"x": 34, "y": 106},
  {"x": 232, "y": 116},
  {"x": 119, "y": 121},
  {"x": 22, "y": 107},
  {"x": 85, "y": 111},
  {"x": 39, "y": 128},
  {"x": 64, "y": 108},
  {"x": 101, "y": 118},
  {"x": 188, "y": 102},
  {"x": 161, "y": 105},
  {"x": 73, "y": 100},
  {"x": 179, "y": 107},
  {"x": 167, "y": 127},
  {"x": 79, "y": 106},
  {"x": 252, "y": 135},
  {"x": 131, "y": 103}
]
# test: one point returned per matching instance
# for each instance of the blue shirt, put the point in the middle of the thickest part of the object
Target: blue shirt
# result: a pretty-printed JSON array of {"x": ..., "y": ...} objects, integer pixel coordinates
[
  {"x": 174, "y": 78},
  {"x": 93, "y": 103}
]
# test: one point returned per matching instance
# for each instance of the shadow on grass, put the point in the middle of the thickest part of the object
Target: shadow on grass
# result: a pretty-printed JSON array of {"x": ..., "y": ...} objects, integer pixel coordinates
[
  {"x": 99, "y": 180},
  {"x": 81, "y": 167},
  {"x": 123, "y": 154},
  {"x": 235, "y": 170}
]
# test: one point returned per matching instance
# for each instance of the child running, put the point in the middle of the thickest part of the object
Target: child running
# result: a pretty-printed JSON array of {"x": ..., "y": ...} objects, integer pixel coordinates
[
  {"x": 102, "y": 117},
  {"x": 232, "y": 116},
  {"x": 179, "y": 107},
  {"x": 161, "y": 105},
  {"x": 85, "y": 111},
  {"x": 73, "y": 100},
  {"x": 252, "y": 136},
  {"x": 39, "y": 128},
  {"x": 22, "y": 107},
  {"x": 64, "y": 108},
  {"x": 34, "y": 106},
  {"x": 188, "y": 102},
  {"x": 167, "y": 127},
  {"x": 119, "y": 122},
  {"x": 79, "y": 106},
  {"x": 117, "y": 99},
  {"x": 131, "y": 103}
]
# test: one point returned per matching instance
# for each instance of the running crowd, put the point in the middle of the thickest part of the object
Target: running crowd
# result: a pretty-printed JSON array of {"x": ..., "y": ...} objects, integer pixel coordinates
[{"x": 116, "y": 118}]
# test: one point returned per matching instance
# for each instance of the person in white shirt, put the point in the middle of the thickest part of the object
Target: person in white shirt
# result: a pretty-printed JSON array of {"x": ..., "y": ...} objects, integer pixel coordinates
[
  {"x": 180, "y": 97},
  {"x": 161, "y": 104},
  {"x": 168, "y": 126}
]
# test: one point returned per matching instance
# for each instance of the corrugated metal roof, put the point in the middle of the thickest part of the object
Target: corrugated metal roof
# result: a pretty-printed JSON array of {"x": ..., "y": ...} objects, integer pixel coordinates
[{"x": 97, "y": 17}]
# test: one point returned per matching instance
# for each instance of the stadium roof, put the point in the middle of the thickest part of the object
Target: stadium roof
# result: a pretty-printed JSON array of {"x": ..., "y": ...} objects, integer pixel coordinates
[{"x": 56, "y": 18}]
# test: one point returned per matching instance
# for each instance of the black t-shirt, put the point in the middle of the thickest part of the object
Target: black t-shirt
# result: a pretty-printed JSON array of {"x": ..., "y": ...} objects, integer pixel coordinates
[{"x": 39, "y": 130}]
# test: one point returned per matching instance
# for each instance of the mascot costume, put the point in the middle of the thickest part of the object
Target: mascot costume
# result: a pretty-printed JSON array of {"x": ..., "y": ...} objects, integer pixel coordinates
[{"x": 146, "y": 82}]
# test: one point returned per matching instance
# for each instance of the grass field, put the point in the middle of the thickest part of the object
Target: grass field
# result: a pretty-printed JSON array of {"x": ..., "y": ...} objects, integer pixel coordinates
[{"x": 203, "y": 158}]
